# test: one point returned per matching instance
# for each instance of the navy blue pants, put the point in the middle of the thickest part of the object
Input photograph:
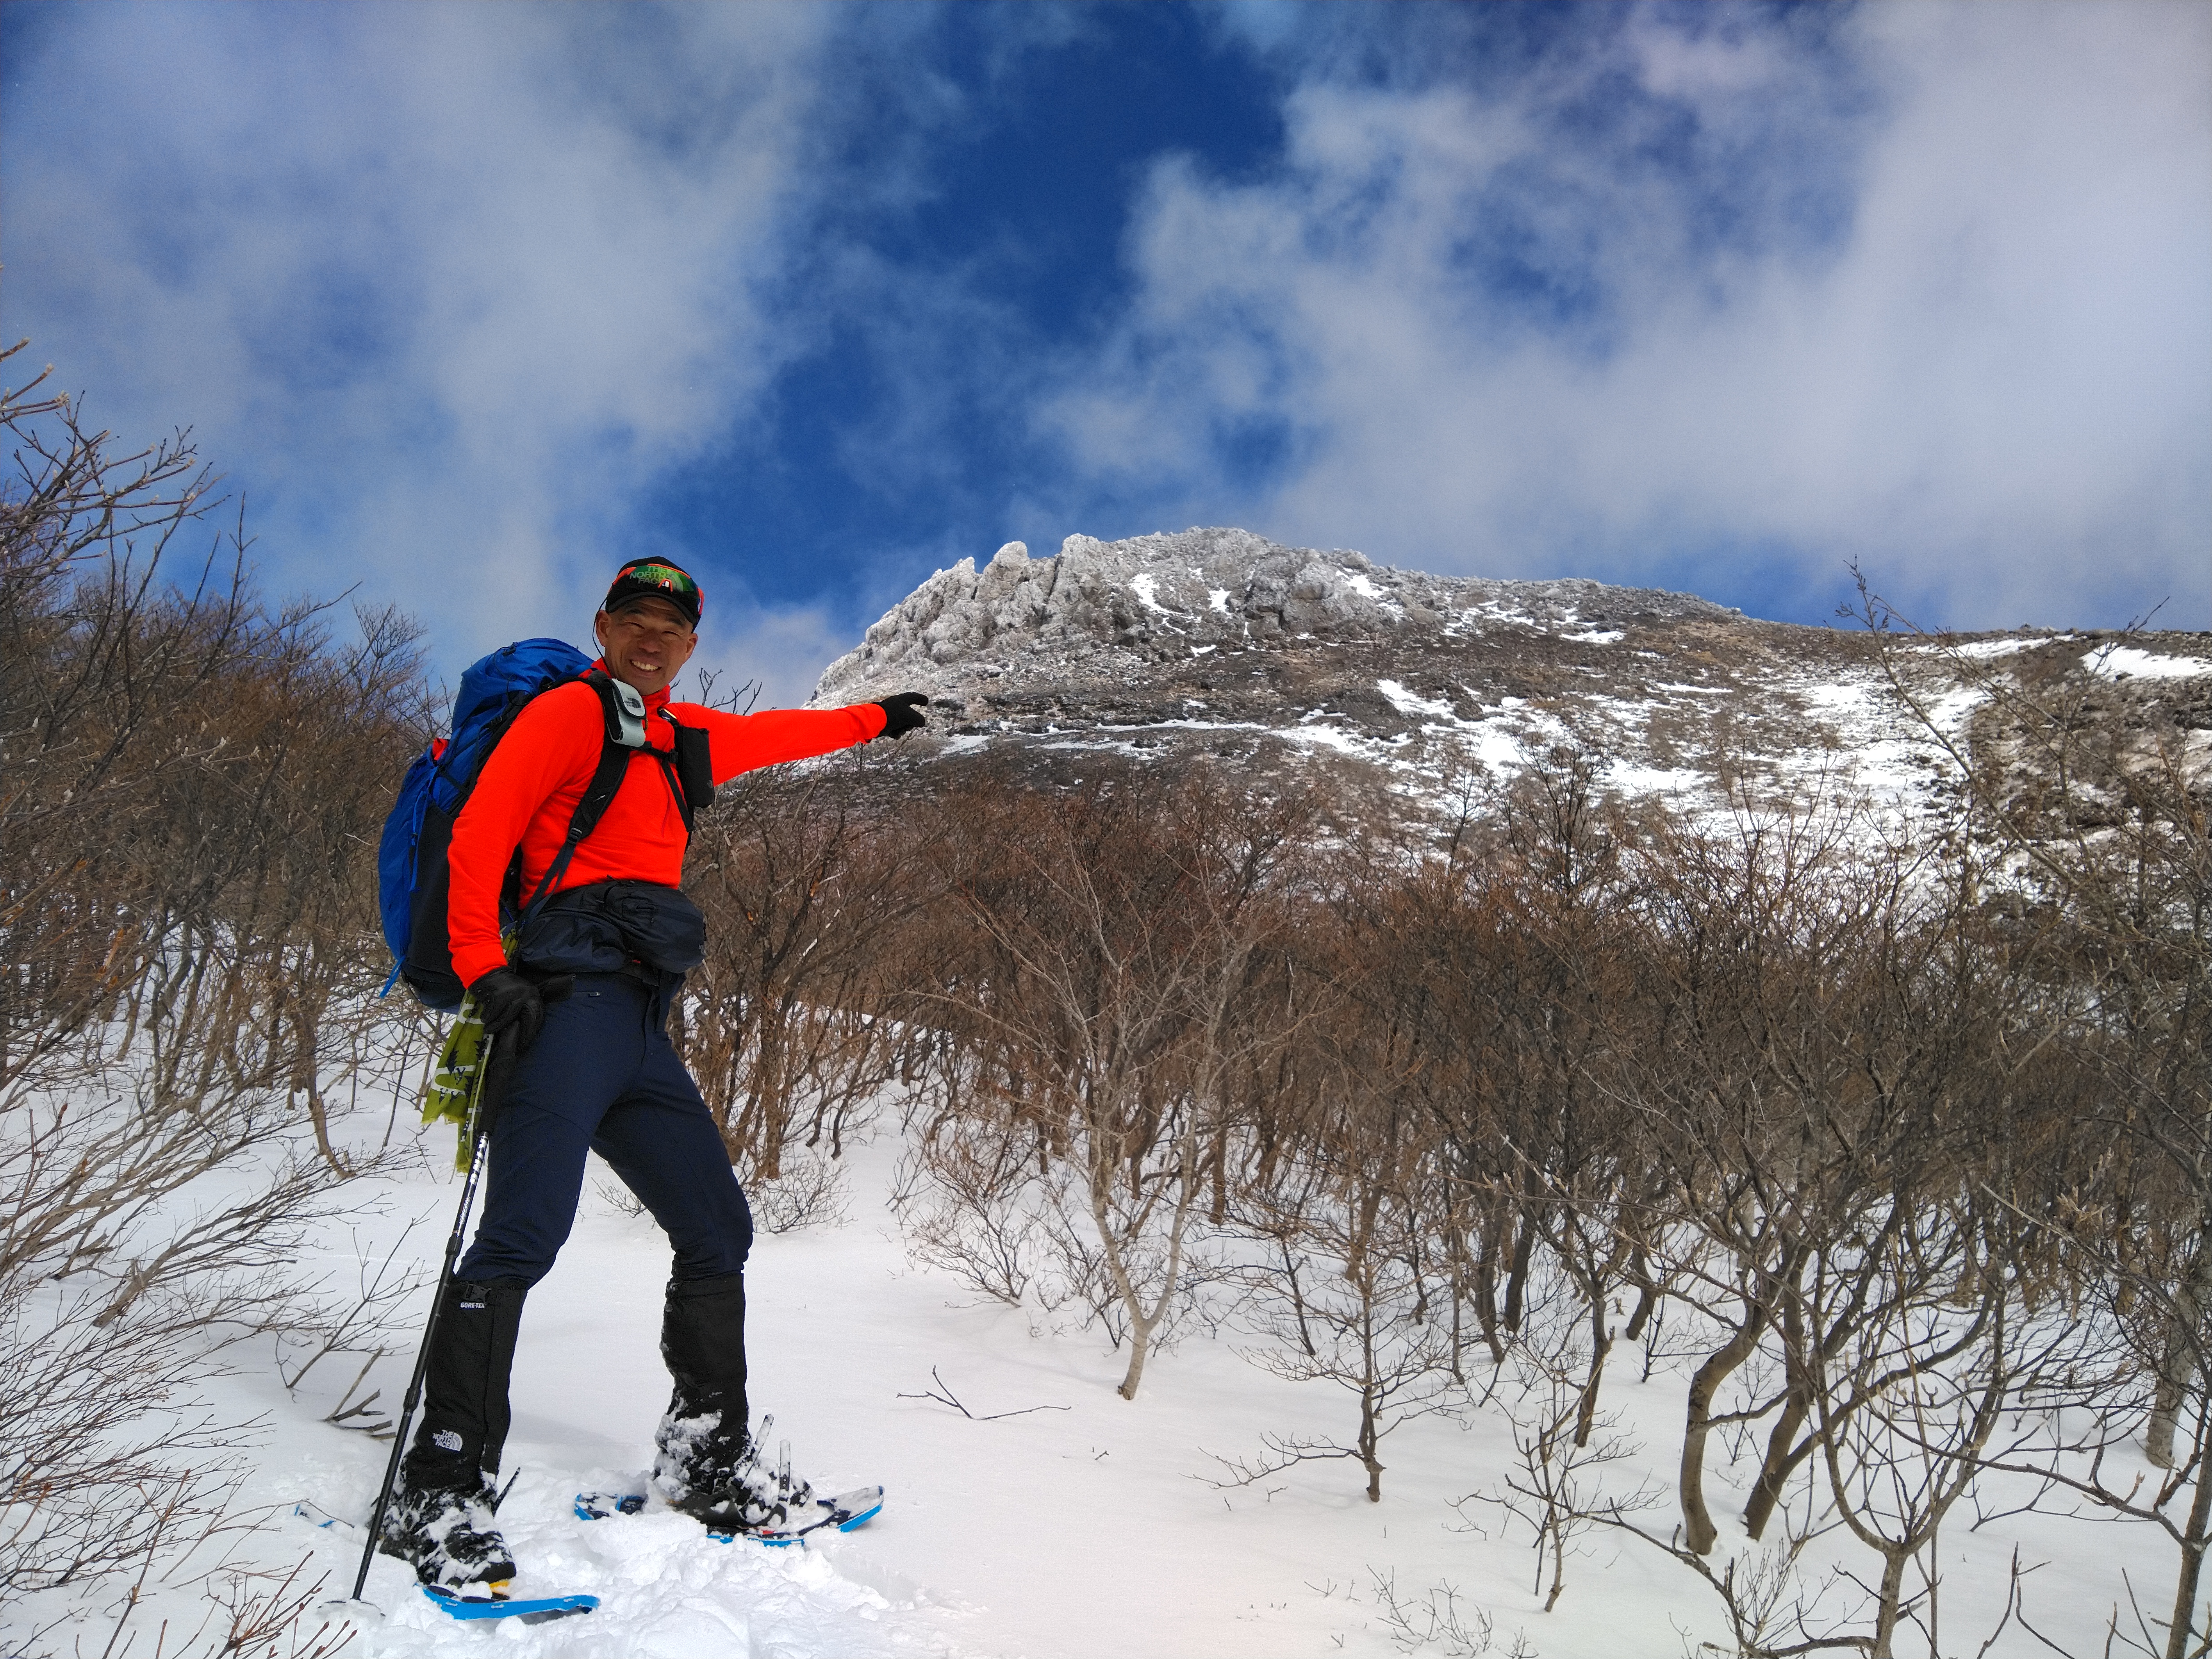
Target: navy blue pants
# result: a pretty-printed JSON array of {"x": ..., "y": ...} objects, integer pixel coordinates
[{"x": 603, "y": 1077}]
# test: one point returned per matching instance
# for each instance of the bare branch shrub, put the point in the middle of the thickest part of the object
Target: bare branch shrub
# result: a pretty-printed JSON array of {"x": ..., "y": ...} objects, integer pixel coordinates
[
  {"x": 808, "y": 1191},
  {"x": 189, "y": 786},
  {"x": 1108, "y": 991},
  {"x": 2086, "y": 805},
  {"x": 791, "y": 1023},
  {"x": 1341, "y": 1285},
  {"x": 1557, "y": 1491},
  {"x": 1435, "y": 1621}
]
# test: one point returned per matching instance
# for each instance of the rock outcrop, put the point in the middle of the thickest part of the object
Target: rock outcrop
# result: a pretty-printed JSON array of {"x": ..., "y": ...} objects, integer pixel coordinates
[
  {"x": 1221, "y": 643},
  {"x": 1158, "y": 598}
]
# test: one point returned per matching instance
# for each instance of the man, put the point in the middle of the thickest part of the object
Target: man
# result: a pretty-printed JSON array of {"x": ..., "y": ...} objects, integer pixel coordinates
[{"x": 580, "y": 1011}]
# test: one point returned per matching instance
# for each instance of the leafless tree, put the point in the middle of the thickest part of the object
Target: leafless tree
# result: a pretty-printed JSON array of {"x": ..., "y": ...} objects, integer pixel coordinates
[
  {"x": 1120, "y": 942},
  {"x": 2088, "y": 804},
  {"x": 1558, "y": 1490},
  {"x": 1339, "y": 1284},
  {"x": 792, "y": 1022}
]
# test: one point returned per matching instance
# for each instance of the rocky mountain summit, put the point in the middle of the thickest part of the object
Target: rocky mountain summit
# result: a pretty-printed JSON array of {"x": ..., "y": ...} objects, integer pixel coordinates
[
  {"x": 1157, "y": 598},
  {"x": 1220, "y": 642}
]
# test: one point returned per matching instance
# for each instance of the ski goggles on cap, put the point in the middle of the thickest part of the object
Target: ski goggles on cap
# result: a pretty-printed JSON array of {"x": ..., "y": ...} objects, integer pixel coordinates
[{"x": 655, "y": 579}]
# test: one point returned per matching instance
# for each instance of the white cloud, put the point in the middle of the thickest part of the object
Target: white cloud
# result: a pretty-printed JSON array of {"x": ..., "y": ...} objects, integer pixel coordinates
[
  {"x": 783, "y": 649},
  {"x": 457, "y": 286},
  {"x": 460, "y": 279},
  {"x": 1980, "y": 369}
]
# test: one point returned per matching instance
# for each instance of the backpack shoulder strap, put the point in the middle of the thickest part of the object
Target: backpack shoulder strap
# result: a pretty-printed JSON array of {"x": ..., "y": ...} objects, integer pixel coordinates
[
  {"x": 625, "y": 737},
  {"x": 691, "y": 768}
]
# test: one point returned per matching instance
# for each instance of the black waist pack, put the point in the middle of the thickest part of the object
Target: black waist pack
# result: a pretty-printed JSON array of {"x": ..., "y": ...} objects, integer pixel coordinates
[{"x": 605, "y": 927}]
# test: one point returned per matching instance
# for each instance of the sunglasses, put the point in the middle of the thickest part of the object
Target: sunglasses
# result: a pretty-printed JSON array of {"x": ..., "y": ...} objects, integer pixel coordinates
[{"x": 660, "y": 575}]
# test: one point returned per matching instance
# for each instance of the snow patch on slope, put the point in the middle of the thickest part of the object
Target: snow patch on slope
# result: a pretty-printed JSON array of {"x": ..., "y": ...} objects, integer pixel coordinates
[
  {"x": 1988, "y": 650},
  {"x": 1406, "y": 703},
  {"x": 2119, "y": 661}
]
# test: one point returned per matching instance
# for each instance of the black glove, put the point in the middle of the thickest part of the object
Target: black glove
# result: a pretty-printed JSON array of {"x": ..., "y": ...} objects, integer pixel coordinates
[
  {"x": 901, "y": 714},
  {"x": 512, "y": 1008}
]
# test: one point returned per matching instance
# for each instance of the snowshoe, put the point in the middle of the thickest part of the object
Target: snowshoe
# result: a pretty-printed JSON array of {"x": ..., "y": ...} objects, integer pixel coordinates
[
  {"x": 845, "y": 1512},
  {"x": 541, "y": 1610}
]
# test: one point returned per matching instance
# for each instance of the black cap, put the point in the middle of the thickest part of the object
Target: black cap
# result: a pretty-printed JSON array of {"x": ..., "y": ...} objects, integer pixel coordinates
[{"x": 656, "y": 579}]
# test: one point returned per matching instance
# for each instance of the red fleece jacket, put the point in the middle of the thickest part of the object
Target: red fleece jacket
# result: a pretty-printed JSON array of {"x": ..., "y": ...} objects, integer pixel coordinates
[{"x": 530, "y": 787}]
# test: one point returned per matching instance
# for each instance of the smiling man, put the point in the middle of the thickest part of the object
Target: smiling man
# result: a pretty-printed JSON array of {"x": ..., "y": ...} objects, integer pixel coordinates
[{"x": 579, "y": 1002}]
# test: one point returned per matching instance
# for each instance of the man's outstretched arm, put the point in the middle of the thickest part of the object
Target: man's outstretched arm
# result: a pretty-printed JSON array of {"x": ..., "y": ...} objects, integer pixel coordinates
[{"x": 742, "y": 743}]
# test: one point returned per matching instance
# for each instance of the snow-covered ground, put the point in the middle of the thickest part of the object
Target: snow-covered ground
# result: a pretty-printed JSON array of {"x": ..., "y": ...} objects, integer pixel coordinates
[{"x": 1084, "y": 1527}]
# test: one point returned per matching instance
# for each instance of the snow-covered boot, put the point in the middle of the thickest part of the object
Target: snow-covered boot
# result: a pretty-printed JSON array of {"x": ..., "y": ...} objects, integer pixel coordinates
[
  {"x": 699, "y": 1474},
  {"x": 708, "y": 1465},
  {"x": 701, "y": 1439},
  {"x": 441, "y": 1517},
  {"x": 448, "y": 1534}
]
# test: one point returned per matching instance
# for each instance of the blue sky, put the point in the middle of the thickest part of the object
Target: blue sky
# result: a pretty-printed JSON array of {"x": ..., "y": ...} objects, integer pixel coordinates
[{"x": 473, "y": 300}]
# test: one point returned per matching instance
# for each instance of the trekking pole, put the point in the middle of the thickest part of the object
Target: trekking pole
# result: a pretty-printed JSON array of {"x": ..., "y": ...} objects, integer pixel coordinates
[{"x": 480, "y": 1124}]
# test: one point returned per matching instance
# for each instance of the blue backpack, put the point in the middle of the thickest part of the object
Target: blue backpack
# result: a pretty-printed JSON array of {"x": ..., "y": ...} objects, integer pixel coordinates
[{"x": 412, "y": 879}]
